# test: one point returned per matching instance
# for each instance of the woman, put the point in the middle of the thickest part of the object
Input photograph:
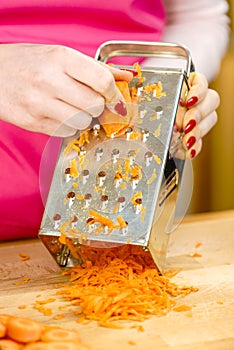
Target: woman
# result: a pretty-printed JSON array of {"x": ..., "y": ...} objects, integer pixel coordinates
[{"x": 50, "y": 85}]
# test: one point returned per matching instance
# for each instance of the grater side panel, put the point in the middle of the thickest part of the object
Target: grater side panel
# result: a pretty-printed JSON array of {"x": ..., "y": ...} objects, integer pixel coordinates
[{"x": 142, "y": 230}]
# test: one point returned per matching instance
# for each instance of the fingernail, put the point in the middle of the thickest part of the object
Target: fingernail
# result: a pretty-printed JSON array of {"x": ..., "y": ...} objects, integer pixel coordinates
[
  {"x": 120, "y": 108},
  {"x": 192, "y": 153},
  {"x": 190, "y": 142},
  {"x": 134, "y": 72},
  {"x": 191, "y": 124},
  {"x": 181, "y": 103},
  {"x": 191, "y": 101},
  {"x": 176, "y": 128}
]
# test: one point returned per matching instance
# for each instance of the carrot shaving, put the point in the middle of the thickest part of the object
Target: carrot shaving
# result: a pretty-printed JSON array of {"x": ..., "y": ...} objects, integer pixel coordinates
[
  {"x": 198, "y": 244},
  {"x": 158, "y": 131},
  {"x": 101, "y": 219},
  {"x": 121, "y": 221},
  {"x": 120, "y": 283},
  {"x": 152, "y": 178},
  {"x": 24, "y": 257},
  {"x": 182, "y": 308},
  {"x": 73, "y": 168},
  {"x": 47, "y": 301},
  {"x": 24, "y": 281},
  {"x": 136, "y": 196},
  {"x": 157, "y": 159},
  {"x": 43, "y": 310},
  {"x": 196, "y": 255}
]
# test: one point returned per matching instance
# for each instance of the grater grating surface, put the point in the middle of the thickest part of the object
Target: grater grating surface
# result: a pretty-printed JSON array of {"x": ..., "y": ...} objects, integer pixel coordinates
[{"x": 115, "y": 190}]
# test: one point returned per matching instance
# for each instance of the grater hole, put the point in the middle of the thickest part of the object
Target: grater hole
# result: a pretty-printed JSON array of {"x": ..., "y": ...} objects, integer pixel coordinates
[
  {"x": 115, "y": 155},
  {"x": 98, "y": 154},
  {"x": 159, "y": 112},
  {"x": 148, "y": 158}
]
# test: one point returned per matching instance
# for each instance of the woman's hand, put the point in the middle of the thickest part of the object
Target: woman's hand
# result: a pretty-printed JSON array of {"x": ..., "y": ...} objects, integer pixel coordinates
[
  {"x": 54, "y": 89},
  {"x": 201, "y": 104}
]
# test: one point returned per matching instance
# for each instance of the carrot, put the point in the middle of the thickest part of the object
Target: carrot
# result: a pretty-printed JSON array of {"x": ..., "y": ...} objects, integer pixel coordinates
[
  {"x": 23, "y": 329},
  {"x": 113, "y": 124},
  {"x": 120, "y": 283},
  {"x": 4, "y": 318},
  {"x": 182, "y": 308},
  {"x": 37, "y": 346},
  {"x": 59, "y": 334},
  {"x": 28, "y": 334},
  {"x": 7, "y": 344},
  {"x": 61, "y": 345},
  {"x": 2, "y": 330}
]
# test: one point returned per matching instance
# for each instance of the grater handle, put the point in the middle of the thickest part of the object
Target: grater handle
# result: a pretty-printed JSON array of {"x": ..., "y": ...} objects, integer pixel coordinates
[{"x": 116, "y": 48}]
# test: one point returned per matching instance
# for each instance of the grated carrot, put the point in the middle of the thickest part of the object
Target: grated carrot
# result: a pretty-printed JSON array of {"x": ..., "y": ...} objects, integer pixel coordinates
[
  {"x": 152, "y": 178},
  {"x": 120, "y": 283},
  {"x": 24, "y": 281},
  {"x": 198, "y": 244},
  {"x": 158, "y": 131},
  {"x": 196, "y": 255},
  {"x": 73, "y": 168},
  {"x": 182, "y": 308},
  {"x": 24, "y": 257}
]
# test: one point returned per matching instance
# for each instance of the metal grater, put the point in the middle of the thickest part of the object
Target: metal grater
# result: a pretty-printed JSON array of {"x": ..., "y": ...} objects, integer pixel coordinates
[{"x": 131, "y": 180}]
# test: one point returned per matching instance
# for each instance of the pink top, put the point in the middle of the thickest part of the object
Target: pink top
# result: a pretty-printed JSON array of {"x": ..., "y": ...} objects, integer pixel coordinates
[{"x": 82, "y": 25}]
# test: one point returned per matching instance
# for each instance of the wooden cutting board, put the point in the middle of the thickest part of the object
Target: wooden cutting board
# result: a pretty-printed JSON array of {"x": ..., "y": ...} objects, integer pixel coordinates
[{"x": 209, "y": 325}]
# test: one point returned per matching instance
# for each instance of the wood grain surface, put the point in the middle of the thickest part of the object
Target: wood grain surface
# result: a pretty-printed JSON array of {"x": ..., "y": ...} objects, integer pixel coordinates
[{"x": 208, "y": 326}]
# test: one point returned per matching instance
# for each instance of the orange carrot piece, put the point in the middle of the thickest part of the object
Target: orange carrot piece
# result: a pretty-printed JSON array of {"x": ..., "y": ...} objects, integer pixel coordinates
[
  {"x": 4, "y": 318},
  {"x": 23, "y": 329},
  {"x": 59, "y": 334},
  {"x": 2, "y": 330},
  {"x": 7, "y": 344},
  {"x": 113, "y": 123}
]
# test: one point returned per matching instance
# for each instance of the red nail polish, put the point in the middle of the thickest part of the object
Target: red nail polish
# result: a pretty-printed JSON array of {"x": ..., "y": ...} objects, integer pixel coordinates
[
  {"x": 192, "y": 153},
  {"x": 134, "y": 72},
  {"x": 181, "y": 103},
  {"x": 191, "y": 124},
  {"x": 191, "y": 101},
  {"x": 176, "y": 128},
  {"x": 120, "y": 108},
  {"x": 190, "y": 142}
]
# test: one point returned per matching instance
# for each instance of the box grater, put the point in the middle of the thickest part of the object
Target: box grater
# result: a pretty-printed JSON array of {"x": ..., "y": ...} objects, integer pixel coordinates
[{"x": 123, "y": 188}]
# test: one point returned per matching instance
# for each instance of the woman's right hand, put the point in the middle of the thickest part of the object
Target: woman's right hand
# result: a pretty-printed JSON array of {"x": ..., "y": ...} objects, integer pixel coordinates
[{"x": 54, "y": 89}]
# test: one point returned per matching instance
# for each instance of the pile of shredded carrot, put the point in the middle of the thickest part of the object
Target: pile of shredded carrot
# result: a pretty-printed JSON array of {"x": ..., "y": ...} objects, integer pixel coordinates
[{"x": 120, "y": 283}]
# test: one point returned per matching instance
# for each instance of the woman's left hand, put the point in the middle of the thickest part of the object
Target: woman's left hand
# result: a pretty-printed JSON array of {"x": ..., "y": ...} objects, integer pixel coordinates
[{"x": 200, "y": 117}]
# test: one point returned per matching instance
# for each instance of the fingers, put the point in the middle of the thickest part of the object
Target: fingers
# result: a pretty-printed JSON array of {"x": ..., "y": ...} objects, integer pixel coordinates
[
  {"x": 200, "y": 117},
  {"x": 120, "y": 74},
  {"x": 98, "y": 77},
  {"x": 65, "y": 120},
  {"x": 79, "y": 96},
  {"x": 201, "y": 109},
  {"x": 198, "y": 89}
]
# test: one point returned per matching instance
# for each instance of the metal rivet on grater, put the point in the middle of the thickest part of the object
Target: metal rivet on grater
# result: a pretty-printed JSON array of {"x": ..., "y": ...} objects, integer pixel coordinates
[
  {"x": 159, "y": 112},
  {"x": 121, "y": 203},
  {"x": 148, "y": 158},
  {"x": 85, "y": 176},
  {"x": 99, "y": 153},
  {"x": 87, "y": 198},
  {"x": 57, "y": 221},
  {"x": 115, "y": 155},
  {"x": 104, "y": 201},
  {"x": 71, "y": 198},
  {"x": 74, "y": 221},
  {"x": 67, "y": 174}
]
